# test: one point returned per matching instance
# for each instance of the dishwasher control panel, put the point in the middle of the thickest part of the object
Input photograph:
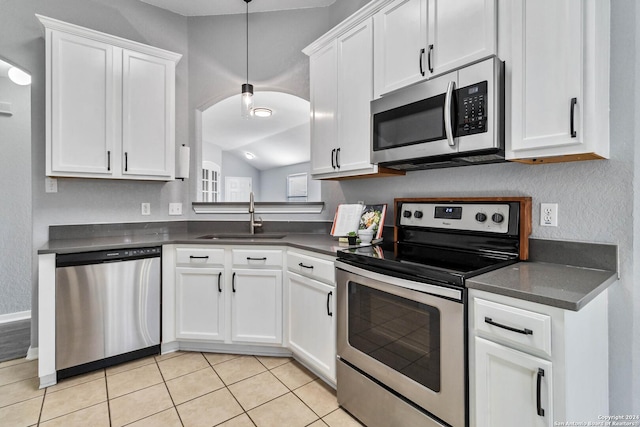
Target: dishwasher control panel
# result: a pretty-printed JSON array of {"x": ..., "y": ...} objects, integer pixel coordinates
[{"x": 98, "y": 257}]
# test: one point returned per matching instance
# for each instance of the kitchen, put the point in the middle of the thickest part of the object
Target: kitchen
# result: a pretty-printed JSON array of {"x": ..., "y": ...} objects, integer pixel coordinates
[{"x": 587, "y": 192}]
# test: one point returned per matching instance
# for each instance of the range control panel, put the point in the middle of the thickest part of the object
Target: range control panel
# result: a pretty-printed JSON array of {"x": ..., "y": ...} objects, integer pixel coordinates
[{"x": 486, "y": 217}]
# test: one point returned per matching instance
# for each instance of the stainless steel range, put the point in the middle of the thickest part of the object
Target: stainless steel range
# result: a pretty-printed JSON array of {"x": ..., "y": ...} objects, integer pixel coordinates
[{"x": 402, "y": 354}]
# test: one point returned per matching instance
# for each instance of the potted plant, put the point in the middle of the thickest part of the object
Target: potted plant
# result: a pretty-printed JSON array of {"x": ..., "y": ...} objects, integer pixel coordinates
[{"x": 352, "y": 238}]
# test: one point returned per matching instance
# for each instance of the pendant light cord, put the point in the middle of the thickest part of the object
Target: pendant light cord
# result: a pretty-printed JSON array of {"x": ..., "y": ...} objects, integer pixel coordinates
[{"x": 247, "y": 21}]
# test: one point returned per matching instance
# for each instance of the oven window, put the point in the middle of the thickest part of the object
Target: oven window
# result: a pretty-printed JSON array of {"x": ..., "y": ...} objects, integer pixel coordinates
[
  {"x": 422, "y": 121},
  {"x": 401, "y": 333}
]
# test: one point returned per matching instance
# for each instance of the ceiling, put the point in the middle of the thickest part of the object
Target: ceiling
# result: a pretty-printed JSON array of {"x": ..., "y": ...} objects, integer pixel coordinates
[
  {"x": 280, "y": 140},
  {"x": 229, "y": 7}
]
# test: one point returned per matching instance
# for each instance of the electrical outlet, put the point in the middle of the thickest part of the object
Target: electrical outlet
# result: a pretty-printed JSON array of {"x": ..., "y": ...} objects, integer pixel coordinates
[
  {"x": 145, "y": 208},
  {"x": 50, "y": 185},
  {"x": 549, "y": 214},
  {"x": 175, "y": 208}
]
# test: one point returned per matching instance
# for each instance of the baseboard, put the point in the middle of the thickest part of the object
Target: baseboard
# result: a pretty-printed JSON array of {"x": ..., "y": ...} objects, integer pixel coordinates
[
  {"x": 14, "y": 317},
  {"x": 32, "y": 353}
]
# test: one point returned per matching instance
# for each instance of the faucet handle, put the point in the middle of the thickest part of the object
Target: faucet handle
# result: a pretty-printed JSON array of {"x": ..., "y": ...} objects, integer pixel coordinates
[{"x": 258, "y": 222}]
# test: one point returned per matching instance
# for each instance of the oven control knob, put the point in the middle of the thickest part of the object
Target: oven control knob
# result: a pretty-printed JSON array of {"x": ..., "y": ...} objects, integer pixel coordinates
[
  {"x": 497, "y": 218},
  {"x": 480, "y": 217},
  {"x": 418, "y": 214},
  {"x": 406, "y": 214}
]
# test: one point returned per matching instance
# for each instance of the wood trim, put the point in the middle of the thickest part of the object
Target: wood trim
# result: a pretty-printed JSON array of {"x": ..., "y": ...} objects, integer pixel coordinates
[
  {"x": 382, "y": 172},
  {"x": 525, "y": 214},
  {"x": 560, "y": 159}
]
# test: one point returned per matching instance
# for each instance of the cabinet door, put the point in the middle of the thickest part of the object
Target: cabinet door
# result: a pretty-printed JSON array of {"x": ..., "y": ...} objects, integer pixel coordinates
[
  {"x": 256, "y": 306},
  {"x": 200, "y": 303},
  {"x": 312, "y": 323},
  {"x": 400, "y": 45},
  {"x": 324, "y": 106},
  {"x": 148, "y": 90},
  {"x": 461, "y": 32},
  {"x": 82, "y": 111},
  {"x": 547, "y": 74},
  {"x": 508, "y": 386},
  {"x": 355, "y": 92}
]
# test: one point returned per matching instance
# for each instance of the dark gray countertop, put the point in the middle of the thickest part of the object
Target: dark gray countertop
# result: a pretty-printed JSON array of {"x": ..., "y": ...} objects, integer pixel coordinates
[
  {"x": 561, "y": 274},
  {"x": 321, "y": 243},
  {"x": 556, "y": 285}
]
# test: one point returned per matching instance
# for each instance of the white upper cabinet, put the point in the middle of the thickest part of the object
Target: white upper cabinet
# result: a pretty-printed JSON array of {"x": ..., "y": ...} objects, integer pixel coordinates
[
  {"x": 559, "y": 80},
  {"x": 148, "y": 115},
  {"x": 418, "y": 39},
  {"x": 81, "y": 105},
  {"x": 110, "y": 105},
  {"x": 400, "y": 45},
  {"x": 341, "y": 70},
  {"x": 324, "y": 106},
  {"x": 355, "y": 92},
  {"x": 461, "y": 32}
]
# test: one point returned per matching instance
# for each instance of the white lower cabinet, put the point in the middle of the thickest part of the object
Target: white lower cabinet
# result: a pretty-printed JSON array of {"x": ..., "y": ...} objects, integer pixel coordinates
[
  {"x": 513, "y": 383},
  {"x": 311, "y": 303},
  {"x": 312, "y": 323},
  {"x": 200, "y": 303},
  {"x": 256, "y": 306},
  {"x": 535, "y": 365}
]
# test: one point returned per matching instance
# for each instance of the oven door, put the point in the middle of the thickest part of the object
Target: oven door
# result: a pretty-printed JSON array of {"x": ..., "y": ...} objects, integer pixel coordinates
[{"x": 407, "y": 336}]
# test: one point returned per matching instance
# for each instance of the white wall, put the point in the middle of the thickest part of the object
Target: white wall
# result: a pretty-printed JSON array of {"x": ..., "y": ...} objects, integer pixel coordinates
[
  {"x": 15, "y": 204},
  {"x": 273, "y": 183}
]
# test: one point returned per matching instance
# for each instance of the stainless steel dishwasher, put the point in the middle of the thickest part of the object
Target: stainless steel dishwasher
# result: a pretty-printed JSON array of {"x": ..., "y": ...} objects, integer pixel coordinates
[{"x": 107, "y": 308}]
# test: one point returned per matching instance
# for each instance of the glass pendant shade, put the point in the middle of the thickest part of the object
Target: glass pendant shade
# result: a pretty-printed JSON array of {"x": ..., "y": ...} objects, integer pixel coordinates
[{"x": 247, "y": 100}]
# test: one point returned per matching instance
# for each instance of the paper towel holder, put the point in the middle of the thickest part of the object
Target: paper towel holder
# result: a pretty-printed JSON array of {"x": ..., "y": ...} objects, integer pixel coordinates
[{"x": 182, "y": 171}]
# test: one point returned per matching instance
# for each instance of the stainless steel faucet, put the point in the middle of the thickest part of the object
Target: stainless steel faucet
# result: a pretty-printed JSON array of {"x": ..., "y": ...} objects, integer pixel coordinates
[{"x": 252, "y": 209}]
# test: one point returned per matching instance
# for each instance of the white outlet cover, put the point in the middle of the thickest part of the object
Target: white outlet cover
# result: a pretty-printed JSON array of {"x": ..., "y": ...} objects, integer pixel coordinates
[
  {"x": 549, "y": 214},
  {"x": 145, "y": 208},
  {"x": 175, "y": 208},
  {"x": 50, "y": 185}
]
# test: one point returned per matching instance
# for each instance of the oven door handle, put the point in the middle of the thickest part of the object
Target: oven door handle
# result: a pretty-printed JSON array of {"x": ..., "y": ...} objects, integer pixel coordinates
[
  {"x": 433, "y": 290},
  {"x": 448, "y": 117}
]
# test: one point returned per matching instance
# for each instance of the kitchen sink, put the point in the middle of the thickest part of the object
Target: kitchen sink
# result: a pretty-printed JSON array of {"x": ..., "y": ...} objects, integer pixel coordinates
[{"x": 235, "y": 236}]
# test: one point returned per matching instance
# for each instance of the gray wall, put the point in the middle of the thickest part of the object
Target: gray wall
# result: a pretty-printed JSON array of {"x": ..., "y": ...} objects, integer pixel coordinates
[
  {"x": 596, "y": 199},
  {"x": 273, "y": 183},
  {"x": 15, "y": 205}
]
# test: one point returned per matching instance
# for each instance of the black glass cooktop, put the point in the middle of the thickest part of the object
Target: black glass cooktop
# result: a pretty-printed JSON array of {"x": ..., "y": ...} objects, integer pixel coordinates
[{"x": 423, "y": 262}]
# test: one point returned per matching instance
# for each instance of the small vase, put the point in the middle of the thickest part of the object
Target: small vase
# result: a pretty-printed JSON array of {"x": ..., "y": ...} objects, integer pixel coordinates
[{"x": 353, "y": 240}]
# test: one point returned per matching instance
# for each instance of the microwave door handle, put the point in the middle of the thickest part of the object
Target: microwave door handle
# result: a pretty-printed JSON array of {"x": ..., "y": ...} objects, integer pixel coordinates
[{"x": 448, "y": 124}]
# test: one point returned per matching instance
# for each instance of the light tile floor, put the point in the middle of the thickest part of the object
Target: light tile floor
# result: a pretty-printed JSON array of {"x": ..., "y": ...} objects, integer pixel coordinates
[{"x": 177, "y": 389}]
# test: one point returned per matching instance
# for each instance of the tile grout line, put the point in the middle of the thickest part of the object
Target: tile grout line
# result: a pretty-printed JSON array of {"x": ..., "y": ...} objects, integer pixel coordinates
[
  {"x": 164, "y": 381},
  {"x": 42, "y": 405}
]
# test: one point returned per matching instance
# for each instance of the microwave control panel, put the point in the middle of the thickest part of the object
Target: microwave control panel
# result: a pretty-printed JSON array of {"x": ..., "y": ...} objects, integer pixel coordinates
[{"x": 472, "y": 109}]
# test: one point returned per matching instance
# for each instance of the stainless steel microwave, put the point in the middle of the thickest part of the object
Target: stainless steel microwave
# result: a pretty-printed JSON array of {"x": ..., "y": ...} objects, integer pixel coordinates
[{"x": 453, "y": 120}]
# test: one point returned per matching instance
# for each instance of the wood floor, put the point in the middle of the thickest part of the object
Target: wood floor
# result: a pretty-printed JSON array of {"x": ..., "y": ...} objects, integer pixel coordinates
[{"x": 15, "y": 338}]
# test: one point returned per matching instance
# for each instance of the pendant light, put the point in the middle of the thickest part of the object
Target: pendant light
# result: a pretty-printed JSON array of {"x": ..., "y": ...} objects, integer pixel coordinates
[{"x": 247, "y": 88}]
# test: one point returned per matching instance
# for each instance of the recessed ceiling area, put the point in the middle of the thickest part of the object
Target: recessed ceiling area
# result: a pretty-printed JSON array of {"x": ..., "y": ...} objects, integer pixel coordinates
[
  {"x": 230, "y": 7},
  {"x": 279, "y": 140}
]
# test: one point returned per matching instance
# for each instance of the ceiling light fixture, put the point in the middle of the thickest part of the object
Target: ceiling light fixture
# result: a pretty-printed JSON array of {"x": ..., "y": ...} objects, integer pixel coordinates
[
  {"x": 247, "y": 88},
  {"x": 19, "y": 77},
  {"x": 249, "y": 155},
  {"x": 262, "y": 112}
]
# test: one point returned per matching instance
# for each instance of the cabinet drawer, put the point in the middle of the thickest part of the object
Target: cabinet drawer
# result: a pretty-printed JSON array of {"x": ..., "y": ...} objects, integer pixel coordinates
[
  {"x": 194, "y": 256},
  {"x": 320, "y": 269},
  {"x": 257, "y": 257},
  {"x": 513, "y": 325}
]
